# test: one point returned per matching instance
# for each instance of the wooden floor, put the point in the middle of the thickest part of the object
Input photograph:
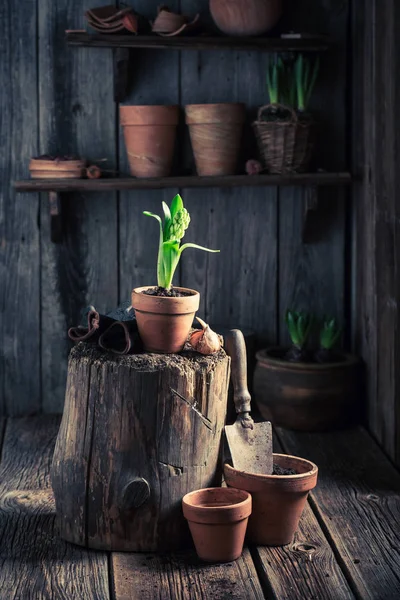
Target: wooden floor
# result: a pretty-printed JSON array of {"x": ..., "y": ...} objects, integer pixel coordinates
[{"x": 347, "y": 546}]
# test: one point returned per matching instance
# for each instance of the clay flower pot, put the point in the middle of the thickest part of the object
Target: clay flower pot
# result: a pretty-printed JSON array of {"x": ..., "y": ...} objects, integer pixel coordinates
[
  {"x": 48, "y": 167},
  {"x": 149, "y": 133},
  {"x": 307, "y": 396},
  {"x": 164, "y": 323},
  {"x": 278, "y": 500},
  {"x": 245, "y": 17},
  {"x": 217, "y": 520},
  {"x": 215, "y": 133}
]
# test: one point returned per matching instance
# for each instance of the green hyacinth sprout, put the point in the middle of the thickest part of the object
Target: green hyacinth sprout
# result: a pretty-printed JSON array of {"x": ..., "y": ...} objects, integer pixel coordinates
[{"x": 172, "y": 230}]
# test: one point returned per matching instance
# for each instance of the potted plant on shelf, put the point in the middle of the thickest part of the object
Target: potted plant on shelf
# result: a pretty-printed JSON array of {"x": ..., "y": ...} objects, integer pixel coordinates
[
  {"x": 284, "y": 128},
  {"x": 303, "y": 389},
  {"x": 164, "y": 313}
]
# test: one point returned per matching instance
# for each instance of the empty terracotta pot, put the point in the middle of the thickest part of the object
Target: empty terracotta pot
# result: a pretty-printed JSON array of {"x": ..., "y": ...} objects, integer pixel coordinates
[
  {"x": 278, "y": 500},
  {"x": 245, "y": 17},
  {"x": 149, "y": 133},
  {"x": 215, "y": 133},
  {"x": 164, "y": 323},
  {"x": 217, "y": 520}
]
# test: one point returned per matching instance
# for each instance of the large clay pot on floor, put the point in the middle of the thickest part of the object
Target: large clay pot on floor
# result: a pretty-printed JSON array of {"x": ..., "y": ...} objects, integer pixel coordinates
[
  {"x": 307, "y": 396},
  {"x": 278, "y": 500},
  {"x": 164, "y": 323},
  {"x": 149, "y": 133},
  {"x": 245, "y": 17},
  {"x": 215, "y": 133}
]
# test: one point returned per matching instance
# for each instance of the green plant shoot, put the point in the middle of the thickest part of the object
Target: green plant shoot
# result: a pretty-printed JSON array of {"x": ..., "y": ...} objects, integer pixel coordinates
[
  {"x": 275, "y": 80},
  {"x": 330, "y": 334},
  {"x": 172, "y": 230},
  {"x": 306, "y": 75},
  {"x": 299, "y": 327}
]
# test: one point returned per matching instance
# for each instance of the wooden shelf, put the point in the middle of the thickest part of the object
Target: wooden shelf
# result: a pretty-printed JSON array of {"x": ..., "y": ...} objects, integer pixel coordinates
[
  {"x": 189, "y": 181},
  {"x": 199, "y": 42}
]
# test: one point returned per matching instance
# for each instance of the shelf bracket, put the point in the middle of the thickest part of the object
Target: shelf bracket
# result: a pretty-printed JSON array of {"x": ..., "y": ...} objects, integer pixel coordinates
[
  {"x": 311, "y": 204},
  {"x": 55, "y": 217},
  {"x": 121, "y": 73}
]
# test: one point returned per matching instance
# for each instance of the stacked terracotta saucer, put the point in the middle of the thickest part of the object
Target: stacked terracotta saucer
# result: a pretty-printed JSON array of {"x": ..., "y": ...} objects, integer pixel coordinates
[
  {"x": 110, "y": 19},
  {"x": 57, "y": 167}
]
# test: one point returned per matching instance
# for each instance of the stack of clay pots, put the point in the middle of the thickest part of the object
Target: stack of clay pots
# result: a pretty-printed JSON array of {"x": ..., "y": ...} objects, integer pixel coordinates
[{"x": 215, "y": 132}]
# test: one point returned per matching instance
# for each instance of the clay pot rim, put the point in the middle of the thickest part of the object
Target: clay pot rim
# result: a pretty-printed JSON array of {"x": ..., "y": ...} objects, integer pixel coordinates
[
  {"x": 231, "y": 512},
  {"x": 169, "y": 115},
  {"x": 264, "y": 358},
  {"x": 236, "y": 115},
  {"x": 164, "y": 305},
  {"x": 262, "y": 477}
]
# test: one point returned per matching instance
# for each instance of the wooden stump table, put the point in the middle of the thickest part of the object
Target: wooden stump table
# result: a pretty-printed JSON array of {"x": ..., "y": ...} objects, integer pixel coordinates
[{"x": 138, "y": 432}]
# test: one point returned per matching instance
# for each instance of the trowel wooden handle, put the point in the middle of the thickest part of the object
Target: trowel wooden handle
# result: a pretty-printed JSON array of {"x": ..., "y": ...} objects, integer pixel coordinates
[{"x": 235, "y": 347}]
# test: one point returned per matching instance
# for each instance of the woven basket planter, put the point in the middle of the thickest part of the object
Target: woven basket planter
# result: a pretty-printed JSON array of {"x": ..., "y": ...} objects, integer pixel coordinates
[{"x": 285, "y": 145}]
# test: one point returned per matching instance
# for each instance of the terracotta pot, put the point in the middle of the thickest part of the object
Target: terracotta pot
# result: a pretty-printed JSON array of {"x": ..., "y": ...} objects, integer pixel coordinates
[
  {"x": 149, "y": 133},
  {"x": 307, "y": 396},
  {"x": 215, "y": 133},
  {"x": 164, "y": 323},
  {"x": 217, "y": 520},
  {"x": 245, "y": 17},
  {"x": 278, "y": 500}
]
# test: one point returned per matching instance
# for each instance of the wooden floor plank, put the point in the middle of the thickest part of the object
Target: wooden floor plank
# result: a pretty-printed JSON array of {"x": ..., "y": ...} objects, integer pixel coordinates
[
  {"x": 307, "y": 568},
  {"x": 34, "y": 563},
  {"x": 357, "y": 501},
  {"x": 181, "y": 576}
]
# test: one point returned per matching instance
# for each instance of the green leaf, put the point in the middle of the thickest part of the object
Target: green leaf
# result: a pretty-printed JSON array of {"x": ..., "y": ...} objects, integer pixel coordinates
[
  {"x": 176, "y": 205},
  {"x": 196, "y": 246},
  {"x": 167, "y": 218}
]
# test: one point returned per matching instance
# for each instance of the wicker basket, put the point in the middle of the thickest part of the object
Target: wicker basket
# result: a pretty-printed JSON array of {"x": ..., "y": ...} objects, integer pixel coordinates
[{"x": 285, "y": 146}]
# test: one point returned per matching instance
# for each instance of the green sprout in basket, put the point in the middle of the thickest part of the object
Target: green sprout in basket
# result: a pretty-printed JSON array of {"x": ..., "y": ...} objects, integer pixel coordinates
[
  {"x": 299, "y": 326},
  {"x": 329, "y": 336},
  {"x": 305, "y": 74},
  {"x": 172, "y": 230}
]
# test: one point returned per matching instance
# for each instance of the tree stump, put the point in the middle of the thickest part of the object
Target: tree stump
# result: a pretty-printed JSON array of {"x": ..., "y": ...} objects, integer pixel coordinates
[{"x": 138, "y": 432}]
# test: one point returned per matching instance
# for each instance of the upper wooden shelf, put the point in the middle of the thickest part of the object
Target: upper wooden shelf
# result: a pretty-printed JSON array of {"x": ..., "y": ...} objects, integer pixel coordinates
[
  {"x": 190, "y": 181},
  {"x": 199, "y": 42}
]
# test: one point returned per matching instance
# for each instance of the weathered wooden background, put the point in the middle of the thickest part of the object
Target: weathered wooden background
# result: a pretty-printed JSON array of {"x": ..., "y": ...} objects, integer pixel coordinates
[{"x": 55, "y": 99}]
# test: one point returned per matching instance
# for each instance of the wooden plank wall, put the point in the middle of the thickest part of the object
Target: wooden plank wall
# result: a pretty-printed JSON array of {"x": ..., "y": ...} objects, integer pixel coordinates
[
  {"x": 376, "y": 95},
  {"x": 59, "y": 99}
]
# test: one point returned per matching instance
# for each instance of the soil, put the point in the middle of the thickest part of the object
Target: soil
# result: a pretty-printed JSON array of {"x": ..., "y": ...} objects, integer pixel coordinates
[
  {"x": 281, "y": 114},
  {"x": 295, "y": 354},
  {"x": 160, "y": 291},
  {"x": 281, "y": 471},
  {"x": 324, "y": 356}
]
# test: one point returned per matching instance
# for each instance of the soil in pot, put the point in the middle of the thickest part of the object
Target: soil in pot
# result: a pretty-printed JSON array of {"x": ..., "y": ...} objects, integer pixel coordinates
[
  {"x": 278, "y": 500},
  {"x": 245, "y": 17},
  {"x": 215, "y": 133},
  {"x": 164, "y": 322},
  {"x": 307, "y": 396},
  {"x": 149, "y": 133},
  {"x": 160, "y": 291},
  {"x": 217, "y": 519}
]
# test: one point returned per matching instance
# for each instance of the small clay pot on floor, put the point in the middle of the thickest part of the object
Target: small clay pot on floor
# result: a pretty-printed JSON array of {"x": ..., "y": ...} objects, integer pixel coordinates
[
  {"x": 217, "y": 520},
  {"x": 215, "y": 133},
  {"x": 149, "y": 133},
  {"x": 278, "y": 500},
  {"x": 164, "y": 322}
]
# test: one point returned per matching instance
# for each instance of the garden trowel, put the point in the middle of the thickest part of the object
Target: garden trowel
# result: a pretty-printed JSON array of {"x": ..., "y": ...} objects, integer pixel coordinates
[{"x": 250, "y": 443}]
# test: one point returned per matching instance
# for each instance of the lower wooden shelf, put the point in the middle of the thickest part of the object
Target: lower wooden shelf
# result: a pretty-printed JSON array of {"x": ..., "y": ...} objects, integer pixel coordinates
[{"x": 188, "y": 181}]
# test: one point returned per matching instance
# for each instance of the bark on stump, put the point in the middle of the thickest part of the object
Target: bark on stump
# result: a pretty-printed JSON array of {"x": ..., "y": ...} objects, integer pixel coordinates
[{"x": 129, "y": 447}]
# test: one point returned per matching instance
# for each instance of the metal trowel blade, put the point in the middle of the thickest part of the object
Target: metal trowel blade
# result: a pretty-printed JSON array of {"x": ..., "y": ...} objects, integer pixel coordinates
[{"x": 251, "y": 449}]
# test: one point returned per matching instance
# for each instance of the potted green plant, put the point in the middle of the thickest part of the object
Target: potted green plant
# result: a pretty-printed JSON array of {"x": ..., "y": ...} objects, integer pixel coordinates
[
  {"x": 309, "y": 389},
  {"x": 164, "y": 313},
  {"x": 285, "y": 128}
]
